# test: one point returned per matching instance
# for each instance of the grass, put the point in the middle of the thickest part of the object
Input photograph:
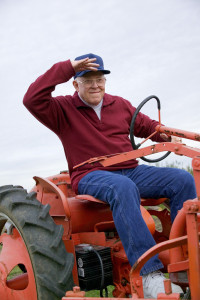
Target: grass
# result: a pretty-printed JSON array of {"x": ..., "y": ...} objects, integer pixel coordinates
[
  {"x": 15, "y": 272},
  {"x": 96, "y": 293}
]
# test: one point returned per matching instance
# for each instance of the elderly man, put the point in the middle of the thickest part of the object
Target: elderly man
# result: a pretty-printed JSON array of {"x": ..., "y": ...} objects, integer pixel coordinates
[{"x": 92, "y": 123}]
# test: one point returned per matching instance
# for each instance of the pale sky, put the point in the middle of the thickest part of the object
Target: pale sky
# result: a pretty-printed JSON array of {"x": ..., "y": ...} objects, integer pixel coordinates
[{"x": 150, "y": 46}]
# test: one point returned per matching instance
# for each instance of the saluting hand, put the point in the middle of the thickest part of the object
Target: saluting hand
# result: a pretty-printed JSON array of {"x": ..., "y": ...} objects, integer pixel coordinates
[{"x": 84, "y": 64}]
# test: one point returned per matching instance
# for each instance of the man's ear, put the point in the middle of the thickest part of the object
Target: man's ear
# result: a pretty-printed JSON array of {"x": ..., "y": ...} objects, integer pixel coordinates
[{"x": 75, "y": 84}]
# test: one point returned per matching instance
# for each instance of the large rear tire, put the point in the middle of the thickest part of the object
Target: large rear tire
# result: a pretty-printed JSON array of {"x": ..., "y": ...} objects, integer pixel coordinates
[{"x": 32, "y": 241}]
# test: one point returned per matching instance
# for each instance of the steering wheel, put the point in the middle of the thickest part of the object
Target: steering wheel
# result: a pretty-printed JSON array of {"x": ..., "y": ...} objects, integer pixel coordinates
[{"x": 132, "y": 138}]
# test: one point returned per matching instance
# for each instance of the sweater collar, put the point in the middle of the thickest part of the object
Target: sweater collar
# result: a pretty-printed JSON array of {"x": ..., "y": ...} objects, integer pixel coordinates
[{"x": 107, "y": 100}]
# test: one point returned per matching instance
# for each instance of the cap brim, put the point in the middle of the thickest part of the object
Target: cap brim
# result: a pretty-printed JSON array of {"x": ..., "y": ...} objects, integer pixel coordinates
[{"x": 80, "y": 74}]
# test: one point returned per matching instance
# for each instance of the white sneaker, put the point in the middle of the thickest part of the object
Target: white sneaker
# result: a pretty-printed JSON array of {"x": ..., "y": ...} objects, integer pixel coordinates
[{"x": 153, "y": 285}]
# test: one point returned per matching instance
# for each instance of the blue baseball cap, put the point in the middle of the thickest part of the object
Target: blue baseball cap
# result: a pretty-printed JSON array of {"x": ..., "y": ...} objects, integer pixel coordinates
[{"x": 98, "y": 60}]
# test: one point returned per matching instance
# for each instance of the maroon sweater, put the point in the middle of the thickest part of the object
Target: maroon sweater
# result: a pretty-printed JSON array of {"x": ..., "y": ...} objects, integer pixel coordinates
[{"x": 81, "y": 132}]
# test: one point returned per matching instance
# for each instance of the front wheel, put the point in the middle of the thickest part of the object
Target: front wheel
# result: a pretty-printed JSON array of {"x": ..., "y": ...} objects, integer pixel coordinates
[{"x": 31, "y": 245}]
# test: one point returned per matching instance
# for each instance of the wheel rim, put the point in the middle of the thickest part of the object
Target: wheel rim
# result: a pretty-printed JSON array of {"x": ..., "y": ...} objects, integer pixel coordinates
[{"x": 14, "y": 253}]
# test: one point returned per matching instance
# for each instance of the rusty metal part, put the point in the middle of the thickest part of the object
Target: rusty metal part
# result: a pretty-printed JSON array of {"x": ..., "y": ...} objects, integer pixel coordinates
[
  {"x": 192, "y": 207},
  {"x": 75, "y": 293},
  {"x": 178, "y": 149},
  {"x": 179, "y": 132}
]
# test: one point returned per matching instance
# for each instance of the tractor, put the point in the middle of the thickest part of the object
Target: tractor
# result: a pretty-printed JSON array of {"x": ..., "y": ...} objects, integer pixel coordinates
[{"x": 63, "y": 244}]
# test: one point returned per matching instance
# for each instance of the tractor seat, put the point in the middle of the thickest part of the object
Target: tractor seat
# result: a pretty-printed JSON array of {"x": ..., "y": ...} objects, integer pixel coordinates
[
  {"x": 89, "y": 198},
  {"x": 144, "y": 202},
  {"x": 68, "y": 206}
]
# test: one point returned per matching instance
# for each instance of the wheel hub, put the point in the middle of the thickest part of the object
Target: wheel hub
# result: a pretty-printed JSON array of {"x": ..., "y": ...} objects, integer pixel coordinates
[{"x": 13, "y": 254}]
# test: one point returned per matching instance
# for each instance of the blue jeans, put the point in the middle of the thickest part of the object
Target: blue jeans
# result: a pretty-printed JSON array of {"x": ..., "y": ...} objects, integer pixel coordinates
[{"x": 122, "y": 189}]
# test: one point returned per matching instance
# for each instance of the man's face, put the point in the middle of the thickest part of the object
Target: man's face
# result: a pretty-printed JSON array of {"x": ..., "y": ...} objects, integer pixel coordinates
[{"x": 91, "y": 87}]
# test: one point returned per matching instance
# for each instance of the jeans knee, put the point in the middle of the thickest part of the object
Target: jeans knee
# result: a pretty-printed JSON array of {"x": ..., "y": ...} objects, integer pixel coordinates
[
  {"x": 186, "y": 185},
  {"x": 187, "y": 179}
]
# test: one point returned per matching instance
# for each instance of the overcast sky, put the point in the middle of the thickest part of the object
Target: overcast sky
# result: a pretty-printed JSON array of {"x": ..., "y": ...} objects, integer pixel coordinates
[{"x": 150, "y": 46}]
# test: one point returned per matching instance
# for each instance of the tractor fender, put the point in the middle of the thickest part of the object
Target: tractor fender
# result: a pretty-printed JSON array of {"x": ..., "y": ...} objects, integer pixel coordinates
[{"x": 46, "y": 186}]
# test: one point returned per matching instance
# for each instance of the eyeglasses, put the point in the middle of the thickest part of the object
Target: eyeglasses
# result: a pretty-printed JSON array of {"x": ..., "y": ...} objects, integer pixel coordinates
[{"x": 89, "y": 82}]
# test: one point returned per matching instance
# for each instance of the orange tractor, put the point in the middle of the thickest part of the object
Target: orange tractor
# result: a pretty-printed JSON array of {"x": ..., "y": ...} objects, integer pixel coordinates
[{"x": 62, "y": 244}]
